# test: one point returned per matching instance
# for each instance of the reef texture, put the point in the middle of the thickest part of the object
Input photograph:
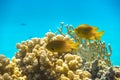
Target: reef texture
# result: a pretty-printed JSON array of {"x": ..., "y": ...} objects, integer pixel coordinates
[
  {"x": 91, "y": 61},
  {"x": 9, "y": 70}
]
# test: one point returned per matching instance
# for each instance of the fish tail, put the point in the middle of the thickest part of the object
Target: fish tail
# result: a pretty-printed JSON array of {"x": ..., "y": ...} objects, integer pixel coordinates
[
  {"x": 76, "y": 45},
  {"x": 99, "y": 34}
]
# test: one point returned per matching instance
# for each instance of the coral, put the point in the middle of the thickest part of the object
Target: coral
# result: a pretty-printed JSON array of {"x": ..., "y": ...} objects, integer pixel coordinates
[
  {"x": 37, "y": 63},
  {"x": 8, "y": 70},
  {"x": 116, "y": 70},
  {"x": 5, "y": 69},
  {"x": 33, "y": 61},
  {"x": 100, "y": 71},
  {"x": 110, "y": 74}
]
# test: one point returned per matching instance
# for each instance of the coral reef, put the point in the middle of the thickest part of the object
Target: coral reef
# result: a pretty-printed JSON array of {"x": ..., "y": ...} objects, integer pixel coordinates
[
  {"x": 88, "y": 50},
  {"x": 32, "y": 61},
  {"x": 9, "y": 70},
  {"x": 37, "y": 63}
]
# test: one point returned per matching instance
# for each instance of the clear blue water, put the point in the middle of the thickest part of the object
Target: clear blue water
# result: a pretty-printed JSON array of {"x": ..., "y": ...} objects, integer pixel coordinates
[{"x": 23, "y": 19}]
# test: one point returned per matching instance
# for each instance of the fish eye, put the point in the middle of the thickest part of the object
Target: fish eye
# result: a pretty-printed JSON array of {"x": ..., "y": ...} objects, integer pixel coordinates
[{"x": 52, "y": 49}]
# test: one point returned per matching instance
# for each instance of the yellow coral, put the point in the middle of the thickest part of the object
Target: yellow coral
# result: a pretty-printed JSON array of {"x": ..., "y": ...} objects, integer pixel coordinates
[
  {"x": 70, "y": 75},
  {"x": 63, "y": 77},
  {"x": 73, "y": 64},
  {"x": 59, "y": 69},
  {"x": 59, "y": 62}
]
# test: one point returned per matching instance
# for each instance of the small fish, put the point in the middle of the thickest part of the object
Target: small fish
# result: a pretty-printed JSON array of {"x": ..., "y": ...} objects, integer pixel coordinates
[
  {"x": 23, "y": 24},
  {"x": 61, "y": 46},
  {"x": 88, "y": 32}
]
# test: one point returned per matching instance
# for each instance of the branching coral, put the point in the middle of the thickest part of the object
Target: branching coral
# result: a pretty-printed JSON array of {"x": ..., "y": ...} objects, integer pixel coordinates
[{"x": 89, "y": 50}]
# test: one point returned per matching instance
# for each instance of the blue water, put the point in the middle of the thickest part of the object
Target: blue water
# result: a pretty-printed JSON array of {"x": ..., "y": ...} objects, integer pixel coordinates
[{"x": 22, "y": 19}]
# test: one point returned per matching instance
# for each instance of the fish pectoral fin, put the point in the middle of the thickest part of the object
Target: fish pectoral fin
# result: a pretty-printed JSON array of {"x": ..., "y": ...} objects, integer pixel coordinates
[{"x": 92, "y": 38}]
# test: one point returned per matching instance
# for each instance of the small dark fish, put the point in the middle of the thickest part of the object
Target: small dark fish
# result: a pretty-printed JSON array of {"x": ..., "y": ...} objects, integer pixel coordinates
[{"x": 23, "y": 24}]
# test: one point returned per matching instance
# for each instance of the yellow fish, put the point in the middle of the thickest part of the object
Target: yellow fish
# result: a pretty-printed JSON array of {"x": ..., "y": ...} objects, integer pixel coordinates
[
  {"x": 61, "y": 46},
  {"x": 88, "y": 32}
]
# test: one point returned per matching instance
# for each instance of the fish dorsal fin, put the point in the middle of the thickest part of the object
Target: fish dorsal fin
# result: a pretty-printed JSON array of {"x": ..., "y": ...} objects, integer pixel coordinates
[
  {"x": 69, "y": 41},
  {"x": 83, "y": 25},
  {"x": 95, "y": 28}
]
